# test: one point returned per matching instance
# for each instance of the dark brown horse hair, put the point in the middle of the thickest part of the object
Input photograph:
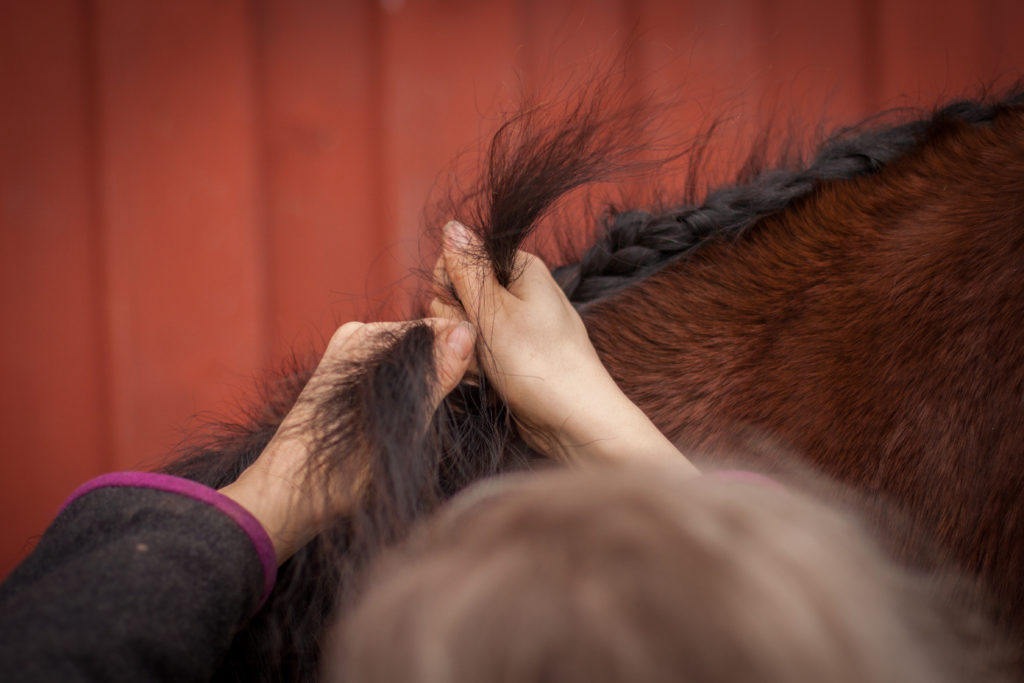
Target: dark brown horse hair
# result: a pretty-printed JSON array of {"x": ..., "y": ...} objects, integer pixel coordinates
[{"x": 684, "y": 339}]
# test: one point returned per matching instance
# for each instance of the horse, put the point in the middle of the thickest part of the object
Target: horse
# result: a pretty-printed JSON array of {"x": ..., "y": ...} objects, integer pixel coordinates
[
  {"x": 875, "y": 326},
  {"x": 862, "y": 312}
]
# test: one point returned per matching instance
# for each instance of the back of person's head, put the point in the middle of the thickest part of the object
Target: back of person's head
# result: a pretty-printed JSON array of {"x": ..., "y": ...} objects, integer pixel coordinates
[{"x": 634, "y": 574}]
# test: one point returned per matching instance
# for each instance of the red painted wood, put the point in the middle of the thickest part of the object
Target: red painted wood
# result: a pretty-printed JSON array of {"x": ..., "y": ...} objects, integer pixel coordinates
[
  {"x": 52, "y": 362},
  {"x": 321, "y": 175},
  {"x": 566, "y": 42},
  {"x": 184, "y": 242},
  {"x": 1002, "y": 48},
  {"x": 929, "y": 52},
  {"x": 707, "y": 58},
  {"x": 816, "y": 58},
  {"x": 189, "y": 188},
  {"x": 447, "y": 67},
  {"x": 566, "y": 46}
]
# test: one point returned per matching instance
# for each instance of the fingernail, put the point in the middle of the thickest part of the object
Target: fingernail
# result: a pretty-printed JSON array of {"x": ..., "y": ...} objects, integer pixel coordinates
[
  {"x": 456, "y": 235},
  {"x": 461, "y": 339}
]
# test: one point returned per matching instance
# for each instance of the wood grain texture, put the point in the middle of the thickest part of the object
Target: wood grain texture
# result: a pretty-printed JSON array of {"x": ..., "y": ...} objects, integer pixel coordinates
[
  {"x": 183, "y": 237},
  {"x": 190, "y": 189},
  {"x": 320, "y": 129},
  {"x": 53, "y": 366}
]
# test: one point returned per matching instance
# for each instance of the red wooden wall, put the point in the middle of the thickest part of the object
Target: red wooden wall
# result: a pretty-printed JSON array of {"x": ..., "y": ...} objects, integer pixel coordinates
[{"x": 190, "y": 188}]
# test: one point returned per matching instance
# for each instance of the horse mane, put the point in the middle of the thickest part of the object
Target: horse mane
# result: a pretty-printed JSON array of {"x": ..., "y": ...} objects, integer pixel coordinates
[
  {"x": 633, "y": 244},
  {"x": 534, "y": 160}
]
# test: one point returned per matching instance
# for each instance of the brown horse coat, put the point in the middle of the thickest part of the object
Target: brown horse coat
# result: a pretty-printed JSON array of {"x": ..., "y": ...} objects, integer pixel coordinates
[{"x": 876, "y": 328}]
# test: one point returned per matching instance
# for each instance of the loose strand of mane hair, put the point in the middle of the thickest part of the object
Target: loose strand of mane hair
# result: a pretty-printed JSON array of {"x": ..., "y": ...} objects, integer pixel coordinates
[{"x": 604, "y": 132}]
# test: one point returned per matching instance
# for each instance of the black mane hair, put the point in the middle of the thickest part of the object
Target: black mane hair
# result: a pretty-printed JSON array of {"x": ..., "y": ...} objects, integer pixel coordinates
[{"x": 417, "y": 461}]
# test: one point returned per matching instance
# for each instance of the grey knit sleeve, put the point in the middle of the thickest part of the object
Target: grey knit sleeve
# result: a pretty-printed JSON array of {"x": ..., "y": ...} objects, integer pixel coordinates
[{"x": 133, "y": 582}]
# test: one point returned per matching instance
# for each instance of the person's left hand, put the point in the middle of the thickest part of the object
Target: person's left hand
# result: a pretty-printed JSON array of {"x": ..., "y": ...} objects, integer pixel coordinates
[{"x": 274, "y": 489}]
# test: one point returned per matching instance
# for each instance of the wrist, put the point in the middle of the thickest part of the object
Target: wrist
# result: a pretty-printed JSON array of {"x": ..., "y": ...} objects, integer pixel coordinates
[
  {"x": 617, "y": 432},
  {"x": 272, "y": 503},
  {"x": 275, "y": 490}
]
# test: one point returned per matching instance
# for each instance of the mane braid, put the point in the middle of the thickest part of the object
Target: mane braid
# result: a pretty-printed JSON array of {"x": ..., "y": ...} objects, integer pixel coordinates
[{"x": 637, "y": 243}]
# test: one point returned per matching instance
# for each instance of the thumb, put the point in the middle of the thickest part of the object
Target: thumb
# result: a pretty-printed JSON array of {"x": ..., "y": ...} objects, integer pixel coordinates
[
  {"x": 472, "y": 276},
  {"x": 453, "y": 351}
]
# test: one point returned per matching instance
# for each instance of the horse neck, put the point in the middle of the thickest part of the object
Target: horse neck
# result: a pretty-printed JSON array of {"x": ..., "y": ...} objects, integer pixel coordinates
[{"x": 830, "y": 312}]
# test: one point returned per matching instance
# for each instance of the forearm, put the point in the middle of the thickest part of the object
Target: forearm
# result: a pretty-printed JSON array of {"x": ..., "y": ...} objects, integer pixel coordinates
[
  {"x": 289, "y": 514},
  {"x": 606, "y": 427},
  {"x": 291, "y": 502}
]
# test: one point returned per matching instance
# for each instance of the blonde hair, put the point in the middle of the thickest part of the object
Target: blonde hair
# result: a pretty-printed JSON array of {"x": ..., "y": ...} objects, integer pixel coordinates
[{"x": 637, "y": 574}]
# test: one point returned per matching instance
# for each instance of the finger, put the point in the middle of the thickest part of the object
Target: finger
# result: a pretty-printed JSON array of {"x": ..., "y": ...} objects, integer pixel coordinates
[
  {"x": 441, "y": 284},
  {"x": 534, "y": 279},
  {"x": 454, "y": 342},
  {"x": 341, "y": 337},
  {"x": 473, "y": 279},
  {"x": 356, "y": 341},
  {"x": 439, "y": 309}
]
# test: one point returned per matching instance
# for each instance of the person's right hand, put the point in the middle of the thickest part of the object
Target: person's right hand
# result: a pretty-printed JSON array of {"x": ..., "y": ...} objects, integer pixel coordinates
[{"x": 536, "y": 351}]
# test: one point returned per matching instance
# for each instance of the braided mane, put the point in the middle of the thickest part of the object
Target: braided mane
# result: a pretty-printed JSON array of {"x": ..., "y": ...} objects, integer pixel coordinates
[{"x": 636, "y": 243}]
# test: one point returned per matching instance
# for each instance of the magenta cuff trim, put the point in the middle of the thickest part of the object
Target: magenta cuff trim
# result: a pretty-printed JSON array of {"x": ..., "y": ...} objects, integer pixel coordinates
[{"x": 204, "y": 494}]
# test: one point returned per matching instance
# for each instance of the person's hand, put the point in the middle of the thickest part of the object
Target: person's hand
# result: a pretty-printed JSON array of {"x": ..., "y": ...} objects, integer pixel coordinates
[
  {"x": 534, "y": 348},
  {"x": 275, "y": 488}
]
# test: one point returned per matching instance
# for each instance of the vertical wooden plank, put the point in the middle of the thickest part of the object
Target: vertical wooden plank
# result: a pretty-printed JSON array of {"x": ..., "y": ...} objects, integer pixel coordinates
[
  {"x": 708, "y": 59},
  {"x": 183, "y": 232},
  {"x": 322, "y": 177},
  {"x": 929, "y": 52},
  {"x": 816, "y": 56},
  {"x": 569, "y": 47},
  {"x": 572, "y": 41},
  {"x": 447, "y": 67},
  {"x": 51, "y": 341},
  {"x": 1003, "y": 50}
]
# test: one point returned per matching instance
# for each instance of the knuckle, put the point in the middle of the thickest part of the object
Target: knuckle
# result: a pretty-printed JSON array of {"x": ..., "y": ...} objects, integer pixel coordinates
[
  {"x": 343, "y": 333},
  {"x": 532, "y": 261},
  {"x": 447, "y": 374}
]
